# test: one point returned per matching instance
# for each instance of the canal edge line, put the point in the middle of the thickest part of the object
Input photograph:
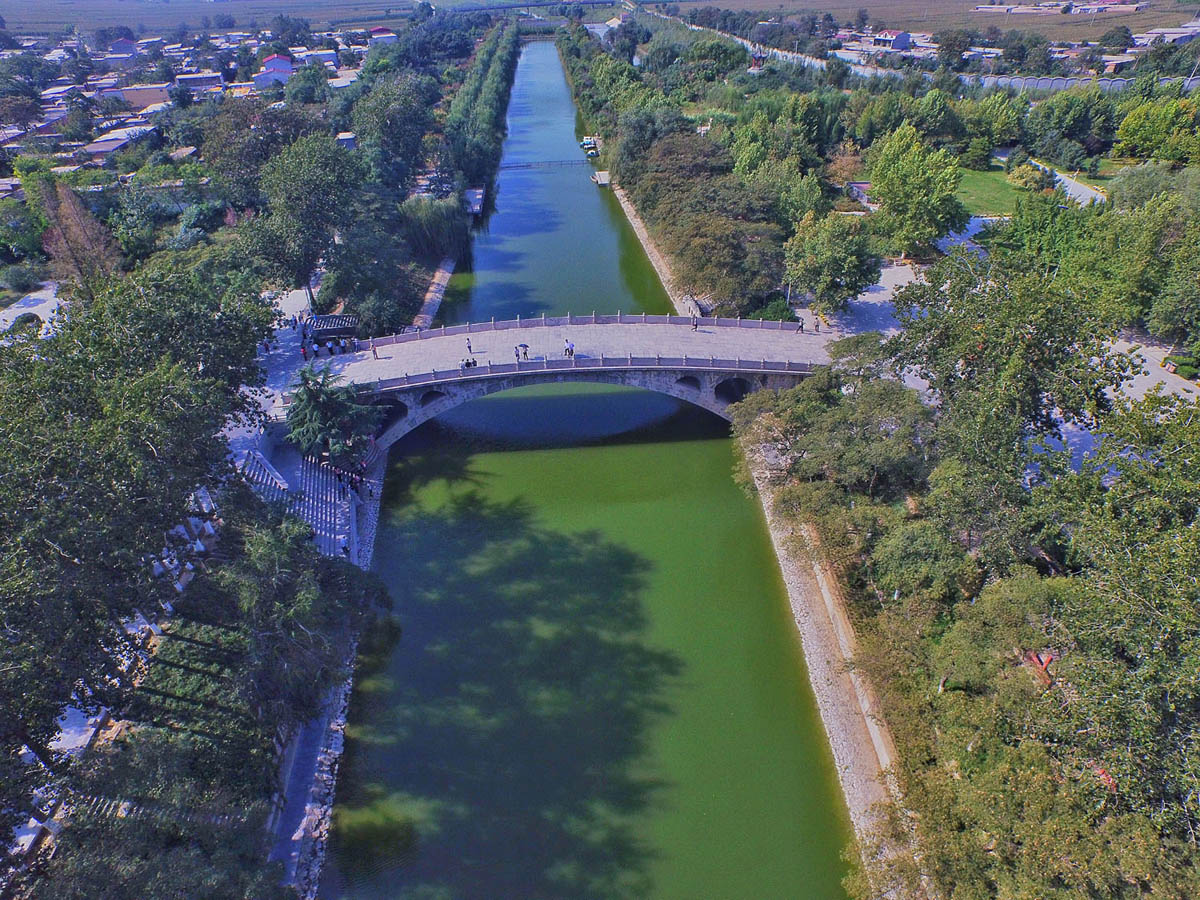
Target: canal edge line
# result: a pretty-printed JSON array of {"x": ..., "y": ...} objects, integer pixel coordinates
[
  {"x": 312, "y": 838},
  {"x": 435, "y": 293},
  {"x": 859, "y": 739},
  {"x": 684, "y": 305}
]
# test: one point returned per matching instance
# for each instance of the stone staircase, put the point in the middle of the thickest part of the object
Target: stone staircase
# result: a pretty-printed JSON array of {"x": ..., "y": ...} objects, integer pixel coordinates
[
  {"x": 264, "y": 478},
  {"x": 314, "y": 494},
  {"x": 93, "y": 806},
  {"x": 325, "y": 504}
]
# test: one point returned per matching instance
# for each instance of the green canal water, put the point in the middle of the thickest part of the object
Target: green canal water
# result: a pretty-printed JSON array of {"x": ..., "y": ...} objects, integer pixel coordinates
[
  {"x": 556, "y": 243},
  {"x": 597, "y": 690}
]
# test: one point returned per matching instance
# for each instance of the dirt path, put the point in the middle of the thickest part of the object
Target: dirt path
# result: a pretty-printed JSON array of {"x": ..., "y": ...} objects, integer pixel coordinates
[{"x": 435, "y": 293}]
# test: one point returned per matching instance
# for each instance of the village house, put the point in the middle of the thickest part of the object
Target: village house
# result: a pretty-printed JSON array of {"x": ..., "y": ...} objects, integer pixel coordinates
[
  {"x": 276, "y": 69},
  {"x": 117, "y": 139},
  {"x": 317, "y": 58},
  {"x": 124, "y": 46},
  {"x": 140, "y": 96},
  {"x": 199, "y": 80},
  {"x": 890, "y": 39},
  {"x": 381, "y": 35}
]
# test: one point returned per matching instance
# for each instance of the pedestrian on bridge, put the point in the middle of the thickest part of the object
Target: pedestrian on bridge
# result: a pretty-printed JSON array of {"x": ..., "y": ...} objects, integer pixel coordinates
[
  {"x": 374, "y": 349},
  {"x": 695, "y": 323},
  {"x": 800, "y": 327},
  {"x": 517, "y": 353},
  {"x": 469, "y": 351},
  {"x": 816, "y": 324}
]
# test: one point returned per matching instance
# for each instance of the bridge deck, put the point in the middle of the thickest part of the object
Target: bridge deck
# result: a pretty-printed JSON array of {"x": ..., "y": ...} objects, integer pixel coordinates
[{"x": 436, "y": 355}]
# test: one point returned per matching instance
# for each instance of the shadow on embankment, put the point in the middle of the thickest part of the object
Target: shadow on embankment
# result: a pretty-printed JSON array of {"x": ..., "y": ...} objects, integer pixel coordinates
[{"x": 495, "y": 745}]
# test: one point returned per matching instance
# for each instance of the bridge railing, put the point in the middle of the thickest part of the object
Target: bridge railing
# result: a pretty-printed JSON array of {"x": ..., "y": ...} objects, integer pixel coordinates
[
  {"x": 700, "y": 363},
  {"x": 571, "y": 319}
]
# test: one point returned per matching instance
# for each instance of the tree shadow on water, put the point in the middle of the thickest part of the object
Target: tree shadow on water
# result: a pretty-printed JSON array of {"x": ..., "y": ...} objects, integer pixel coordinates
[{"x": 495, "y": 748}]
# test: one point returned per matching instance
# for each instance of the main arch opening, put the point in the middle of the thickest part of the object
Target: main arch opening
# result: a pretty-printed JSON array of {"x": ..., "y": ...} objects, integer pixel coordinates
[{"x": 666, "y": 387}]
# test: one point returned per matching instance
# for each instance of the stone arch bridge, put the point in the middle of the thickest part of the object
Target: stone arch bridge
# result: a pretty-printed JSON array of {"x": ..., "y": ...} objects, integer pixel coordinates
[{"x": 417, "y": 376}]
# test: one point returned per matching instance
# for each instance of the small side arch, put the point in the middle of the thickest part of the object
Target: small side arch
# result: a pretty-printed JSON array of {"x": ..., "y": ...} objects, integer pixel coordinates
[{"x": 731, "y": 390}]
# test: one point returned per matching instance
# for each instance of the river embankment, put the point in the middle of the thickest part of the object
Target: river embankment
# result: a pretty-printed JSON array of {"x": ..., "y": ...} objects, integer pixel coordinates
[
  {"x": 862, "y": 745},
  {"x": 684, "y": 303}
]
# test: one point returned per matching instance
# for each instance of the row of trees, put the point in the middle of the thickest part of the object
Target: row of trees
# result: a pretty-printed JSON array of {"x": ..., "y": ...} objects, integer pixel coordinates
[
  {"x": 475, "y": 123},
  {"x": 114, "y": 422},
  {"x": 725, "y": 239},
  {"x": 1022, "y": 52},
  {"x": 794, "y": 140},
  {"x": 1069, "y": 128},
  {"x": 967, "y": 543},
  {"x": 749, "y": 206}
]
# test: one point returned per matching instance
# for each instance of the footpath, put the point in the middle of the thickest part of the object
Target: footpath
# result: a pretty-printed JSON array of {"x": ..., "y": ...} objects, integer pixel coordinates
[
  {"x": 862, "y": 745},
  {"x": 345, "y": 523},
  {"x": 435, "y": 294}
]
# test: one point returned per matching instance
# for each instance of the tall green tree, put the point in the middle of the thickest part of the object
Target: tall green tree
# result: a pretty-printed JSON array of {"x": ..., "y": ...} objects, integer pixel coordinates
[
  {"x": 110, "y": 427},
  {"x": 917, "y": 190},
  {"x": 831, "y": 258},
  {"x": 309, "y": 187},
  {"x": 1010, "y": 356},
  {"x": 325, "y": 416},
  {"x": 300, "y": 611},
  {"x": 393, "y": 118}
]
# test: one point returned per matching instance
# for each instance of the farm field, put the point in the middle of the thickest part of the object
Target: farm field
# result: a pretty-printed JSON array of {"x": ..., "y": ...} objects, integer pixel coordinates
[
  {"x": 88, "y": 15},
  {"x": 934, "y": 15},
  {"x": 987, "y": 193}
]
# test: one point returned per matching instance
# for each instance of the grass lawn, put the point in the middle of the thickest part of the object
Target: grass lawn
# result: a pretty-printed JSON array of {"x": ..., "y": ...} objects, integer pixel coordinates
[{"x": 987, "y": 193}]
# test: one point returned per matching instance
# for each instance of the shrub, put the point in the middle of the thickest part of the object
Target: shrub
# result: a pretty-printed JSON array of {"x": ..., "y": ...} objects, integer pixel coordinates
[
  {"x": 205, "y": 216},
  {"x": 777, "y": 310},
  {"x": 22, "y": 277},
  {"x": 185, "y": 239},
  {"x": 26, "y": 322},
  {"x": 1016, "y": 159},
  {"x": 978, "y": 155}
]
